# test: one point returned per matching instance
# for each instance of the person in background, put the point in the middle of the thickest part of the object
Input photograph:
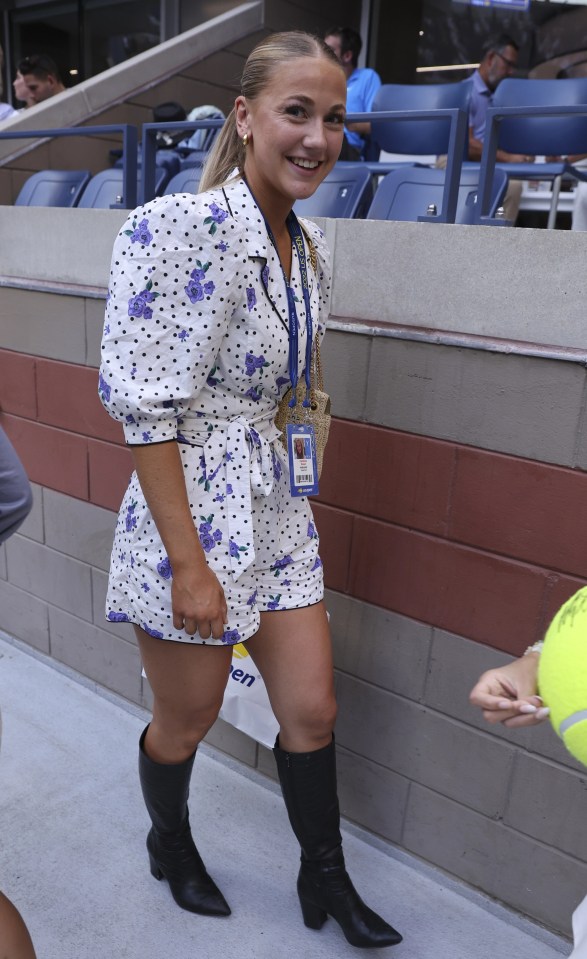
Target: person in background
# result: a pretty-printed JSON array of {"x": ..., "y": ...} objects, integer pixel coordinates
[
  {"x": 362, "y": 84},
  {"x": 499, "y": 60},
  {"x": 21, "y": 91},
  {"x": 6, "y": 110},
  {"x": 15, "y": 504},
  {"x": 41, "y": 76}
]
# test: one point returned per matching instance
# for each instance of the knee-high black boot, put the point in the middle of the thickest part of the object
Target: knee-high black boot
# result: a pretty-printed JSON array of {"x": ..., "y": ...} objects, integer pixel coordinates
[
  {"x": 172, "y": 852},
  {"x": 308, "y": 783}
]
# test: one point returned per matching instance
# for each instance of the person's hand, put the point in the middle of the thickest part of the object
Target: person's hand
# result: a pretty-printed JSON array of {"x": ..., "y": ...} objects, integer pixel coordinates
[
  {"x": 198, "y": 602},
  {"x": 508, "y": 695},
  {"x": 519, "y": 158}
]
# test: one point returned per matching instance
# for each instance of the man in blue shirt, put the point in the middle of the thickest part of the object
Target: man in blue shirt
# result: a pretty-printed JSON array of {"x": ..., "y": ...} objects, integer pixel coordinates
[
  {"x": 500, "y": 60},
  {"x": 362, "y": 84}
]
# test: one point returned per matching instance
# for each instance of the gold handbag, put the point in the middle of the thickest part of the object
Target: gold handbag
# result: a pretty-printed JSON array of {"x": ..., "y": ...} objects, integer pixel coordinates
[{"x": 317, "y": 414}]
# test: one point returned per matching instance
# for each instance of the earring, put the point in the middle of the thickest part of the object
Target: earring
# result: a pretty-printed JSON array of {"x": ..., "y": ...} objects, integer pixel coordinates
[{"x": 245, "y": 139}]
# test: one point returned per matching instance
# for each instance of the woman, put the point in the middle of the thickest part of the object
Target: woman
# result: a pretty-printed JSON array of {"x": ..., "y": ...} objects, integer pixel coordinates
[{"x": 211, "y": 548}]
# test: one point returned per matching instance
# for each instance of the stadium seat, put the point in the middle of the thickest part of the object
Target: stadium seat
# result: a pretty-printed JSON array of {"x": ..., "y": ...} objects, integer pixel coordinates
[
  {"x": 347, "y": 191},
  {"x": 409, "y": 193},
  {"x": 53, "y": 188},
  {"x": 105, "y": 189},
  {"x": 186, "y": 181}
]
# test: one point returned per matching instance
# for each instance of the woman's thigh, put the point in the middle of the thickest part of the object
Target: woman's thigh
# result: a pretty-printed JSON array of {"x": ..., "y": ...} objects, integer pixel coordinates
[
  {"x": 188, "y": 682},
  {"x": 293, "y": 652}
]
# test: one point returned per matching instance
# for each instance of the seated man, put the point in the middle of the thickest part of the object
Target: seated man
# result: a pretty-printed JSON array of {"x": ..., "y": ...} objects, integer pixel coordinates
[
  {"x": 362, "y": 85},
  {"x": 499, "y": 60}
]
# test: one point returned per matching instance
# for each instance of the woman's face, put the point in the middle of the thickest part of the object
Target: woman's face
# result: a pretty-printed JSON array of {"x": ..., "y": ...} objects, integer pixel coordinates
[{"x": 295, "y": 130}]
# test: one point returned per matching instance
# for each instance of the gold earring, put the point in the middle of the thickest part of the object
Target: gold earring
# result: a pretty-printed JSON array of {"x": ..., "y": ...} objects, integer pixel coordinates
[{"x": 245, "y": 139}]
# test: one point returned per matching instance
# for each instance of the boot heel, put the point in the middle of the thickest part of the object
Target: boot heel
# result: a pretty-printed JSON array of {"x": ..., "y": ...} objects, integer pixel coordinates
[
  {"x": 314, "y": 917},
  {"x": 155, "y": 871}
]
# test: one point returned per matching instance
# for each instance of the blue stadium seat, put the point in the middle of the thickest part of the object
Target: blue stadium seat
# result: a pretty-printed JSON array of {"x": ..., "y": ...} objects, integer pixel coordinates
[
  {"x": 105, "y": 189},
  {"x": 53, "y": 188},
  {"x": 424, "y": 137},
  {"x": 407, "y": 194},
  {"x": 346, "y": 192},
  {"x": 186, "y": 181}
]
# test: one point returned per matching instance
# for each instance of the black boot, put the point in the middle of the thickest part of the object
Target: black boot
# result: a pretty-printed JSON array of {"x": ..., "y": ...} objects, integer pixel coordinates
[
  {"x": 172, "y": 852},
  {"x": 308, "y": 783}
]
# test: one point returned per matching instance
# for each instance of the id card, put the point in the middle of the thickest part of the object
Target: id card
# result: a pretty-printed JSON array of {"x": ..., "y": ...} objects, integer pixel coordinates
[{"x": 301, "y": 451}]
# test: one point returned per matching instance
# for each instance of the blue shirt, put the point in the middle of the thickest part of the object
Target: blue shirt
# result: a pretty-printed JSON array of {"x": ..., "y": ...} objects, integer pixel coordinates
[
  {"x": 481, "y": 100},
  {"x": 361, "y": 87}
]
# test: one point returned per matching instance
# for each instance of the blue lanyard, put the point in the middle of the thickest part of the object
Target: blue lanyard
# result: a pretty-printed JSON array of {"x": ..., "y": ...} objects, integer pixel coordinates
[{"x": 295, "y": 231}]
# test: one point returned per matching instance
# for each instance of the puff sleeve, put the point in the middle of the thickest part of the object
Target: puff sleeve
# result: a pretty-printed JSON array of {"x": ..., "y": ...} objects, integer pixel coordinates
[{"x": 169, "y": 304}]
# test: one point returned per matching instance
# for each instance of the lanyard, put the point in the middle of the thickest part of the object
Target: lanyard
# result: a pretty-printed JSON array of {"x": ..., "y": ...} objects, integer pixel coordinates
[{"x": 295, "y": 231}]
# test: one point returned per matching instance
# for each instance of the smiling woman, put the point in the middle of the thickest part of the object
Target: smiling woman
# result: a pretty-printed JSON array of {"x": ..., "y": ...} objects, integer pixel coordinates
[{"x": 215, "y": 308}]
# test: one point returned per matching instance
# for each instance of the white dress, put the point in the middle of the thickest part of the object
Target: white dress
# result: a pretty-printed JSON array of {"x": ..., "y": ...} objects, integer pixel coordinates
[{"x": 195, "y": 349}]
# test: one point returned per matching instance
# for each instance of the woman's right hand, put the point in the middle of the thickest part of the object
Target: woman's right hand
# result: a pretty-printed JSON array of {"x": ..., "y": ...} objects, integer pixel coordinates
[
  {"x": 198, "y": 602},
  {"x": 509, "y": 694}
]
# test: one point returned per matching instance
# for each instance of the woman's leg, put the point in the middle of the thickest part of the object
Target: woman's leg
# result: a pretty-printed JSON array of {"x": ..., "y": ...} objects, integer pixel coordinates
[
  {"x": 15, "y": 942},
  {"x": 293, "y": 653},
  {"x": 188, "y": 685},
  {"x": 188, "y": 682}
]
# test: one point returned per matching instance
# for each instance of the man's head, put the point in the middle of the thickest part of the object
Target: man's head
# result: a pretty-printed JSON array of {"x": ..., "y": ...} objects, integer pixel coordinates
[
  {"x": 41, "y": 75},
  {"x": 346, "y": 44},
  {"x": 500, "y": 60}
]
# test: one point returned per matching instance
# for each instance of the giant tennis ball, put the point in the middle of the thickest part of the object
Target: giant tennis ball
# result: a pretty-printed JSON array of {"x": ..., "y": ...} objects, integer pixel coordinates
[{"x": 562, "y": 674}]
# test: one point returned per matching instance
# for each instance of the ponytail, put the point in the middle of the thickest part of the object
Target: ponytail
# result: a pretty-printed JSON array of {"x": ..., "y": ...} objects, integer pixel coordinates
[{"x": 226, "y": 154}]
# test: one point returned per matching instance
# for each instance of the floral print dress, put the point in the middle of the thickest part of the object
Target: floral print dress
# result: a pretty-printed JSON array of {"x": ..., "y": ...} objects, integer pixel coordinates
[{"x": 195, "y": 349}]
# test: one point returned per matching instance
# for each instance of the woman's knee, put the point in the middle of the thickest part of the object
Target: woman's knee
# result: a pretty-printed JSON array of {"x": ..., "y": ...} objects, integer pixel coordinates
[
  {"x": 315, "y": 721},
  {"x": 184, "y": 730}
]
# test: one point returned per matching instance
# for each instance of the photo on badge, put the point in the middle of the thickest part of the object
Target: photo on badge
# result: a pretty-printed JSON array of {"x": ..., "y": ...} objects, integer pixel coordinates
[{"x": 303, "y": 468}]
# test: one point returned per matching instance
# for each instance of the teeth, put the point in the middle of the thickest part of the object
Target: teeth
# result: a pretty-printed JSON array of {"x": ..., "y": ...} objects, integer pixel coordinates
[{"x": 306, "y": 164}]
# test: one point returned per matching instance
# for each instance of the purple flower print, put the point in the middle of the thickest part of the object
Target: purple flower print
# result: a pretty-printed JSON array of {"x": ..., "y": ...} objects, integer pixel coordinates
[
  {"x": 281, "y": 381},
  {"x": 183, "y": 335},
  {"x": 152, "y": 632},
  {"x": 196, "y": 288},
  {"x": 251, "y": 298},
  {"x": 145, "y": 587},
  {"x": 277, "y": 470},
  {"x": 280, "y": 564},
  {"x": 117, "y": 617},
  {"x": 311, "y": 531},
  {"x": 317, "y": 564},
  {"x": 140, "y": 233},
  {"x": 164, "y": 568},
  {"x": 265, "y": 275},
  {"x": 146, "y": 436},
  {"x": 228, "y": 458},
  {"x": 217, "y": 215},
  {"x": 253, "y": 394},
  {"x": 122, "y": 557},
  {"x": 212, "y": 380},
  {"x": 132, "y": 561},
  {"x": 107, "y": 325},
  {"x": 286, "y": 582},
  {"x": 234, "y": 549},
  {"x": 129, "y": 419},
  {"x": 229, "y": 489},
  {"x": 130, "y": 519},
  {"x": 254, "y": 437},
  {"x": 252, "y": 599},
  {"x": 133, "y": 372},
  {"x": 253, "y": 363},
  {"x": 208, "y": 538},
  {"x": 274, "y": 602},
  {"x": 222, "y": 246},
  {"x": 137, "y": 305},
  {"x": 231, "y": 637},
  {"x": 103, "y": 389}
]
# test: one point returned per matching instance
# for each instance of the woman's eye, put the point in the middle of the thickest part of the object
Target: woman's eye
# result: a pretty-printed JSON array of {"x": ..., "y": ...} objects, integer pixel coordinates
[
  {"x": 335, "y": 118},
  {"x": 295, "y": 111}
]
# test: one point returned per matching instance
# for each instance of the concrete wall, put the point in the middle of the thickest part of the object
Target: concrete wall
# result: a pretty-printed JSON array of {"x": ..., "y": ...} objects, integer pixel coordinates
[{"x": 458, "y": 379}]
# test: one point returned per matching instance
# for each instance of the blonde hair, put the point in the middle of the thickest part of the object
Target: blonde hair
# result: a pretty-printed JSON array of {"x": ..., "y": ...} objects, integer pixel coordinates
[{"x": 228, "y": 151}]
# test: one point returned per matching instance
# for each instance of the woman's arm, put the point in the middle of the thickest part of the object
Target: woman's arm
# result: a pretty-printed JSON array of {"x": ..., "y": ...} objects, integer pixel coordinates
[{"x": 196, "y": 595}]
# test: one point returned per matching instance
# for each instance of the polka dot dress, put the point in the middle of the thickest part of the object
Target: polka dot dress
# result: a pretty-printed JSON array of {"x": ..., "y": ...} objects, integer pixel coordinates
[{"x": 195, "y": 349}]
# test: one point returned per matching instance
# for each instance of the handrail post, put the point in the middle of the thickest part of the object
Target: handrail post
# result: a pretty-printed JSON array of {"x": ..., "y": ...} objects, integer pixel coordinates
[
  {"x": 129, "y": 166},
  {"x": 488, "y": 160}
]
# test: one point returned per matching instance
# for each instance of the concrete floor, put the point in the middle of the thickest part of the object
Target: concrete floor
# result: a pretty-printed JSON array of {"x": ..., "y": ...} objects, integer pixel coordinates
[{"x": 73, "y": 859}]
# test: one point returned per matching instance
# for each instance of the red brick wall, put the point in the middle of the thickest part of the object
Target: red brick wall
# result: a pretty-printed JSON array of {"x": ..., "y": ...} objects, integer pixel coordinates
[{"x": 475, "y": 542}]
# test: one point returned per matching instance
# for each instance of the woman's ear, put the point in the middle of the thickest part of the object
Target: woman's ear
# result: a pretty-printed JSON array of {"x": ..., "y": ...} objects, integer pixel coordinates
[{"x": 242, "y": 116}]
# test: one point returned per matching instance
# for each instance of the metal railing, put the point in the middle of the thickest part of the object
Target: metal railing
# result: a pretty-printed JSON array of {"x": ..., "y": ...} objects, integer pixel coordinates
[{"x": 129, "y": 148}]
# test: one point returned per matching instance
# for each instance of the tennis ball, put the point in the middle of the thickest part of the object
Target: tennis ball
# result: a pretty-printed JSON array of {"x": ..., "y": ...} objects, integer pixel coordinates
[{"x": 562, "y": 674}]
